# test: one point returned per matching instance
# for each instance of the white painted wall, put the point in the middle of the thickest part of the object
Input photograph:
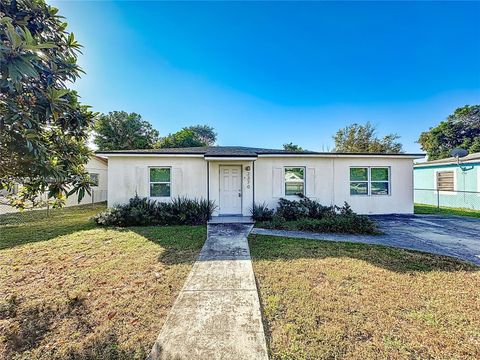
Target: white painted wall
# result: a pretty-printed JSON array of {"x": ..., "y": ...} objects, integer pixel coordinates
[
  {"x": 327, "y": 180},
  {"x": 130, "y": 175},
  {"x": 99, "y": 193},
  {"x": 400, "y": 199}
]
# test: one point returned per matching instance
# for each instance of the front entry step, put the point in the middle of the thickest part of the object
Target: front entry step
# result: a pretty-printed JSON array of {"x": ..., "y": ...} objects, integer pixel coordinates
[{"x": 231, "y": 220}]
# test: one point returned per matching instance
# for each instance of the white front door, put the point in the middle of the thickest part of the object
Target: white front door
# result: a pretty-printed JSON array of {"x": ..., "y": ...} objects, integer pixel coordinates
[{"x": 230, "y": 190}]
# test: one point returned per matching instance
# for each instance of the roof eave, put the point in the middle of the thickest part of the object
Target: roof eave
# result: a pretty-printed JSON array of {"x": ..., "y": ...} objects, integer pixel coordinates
[
  {"x": 347, "y": 155},
  {"x": 148, "y": 154}
]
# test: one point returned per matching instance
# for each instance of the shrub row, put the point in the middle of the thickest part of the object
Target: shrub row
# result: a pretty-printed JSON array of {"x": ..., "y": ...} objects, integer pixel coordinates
[
  {"x": 143, "y": 211},
  {"x": 309, "y": 215}
]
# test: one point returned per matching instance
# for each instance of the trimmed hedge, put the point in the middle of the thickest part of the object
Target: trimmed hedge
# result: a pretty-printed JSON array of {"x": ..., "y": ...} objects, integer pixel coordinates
[
  {"x": 310, "y": 215},
  {"x": 143, "y": 211}
]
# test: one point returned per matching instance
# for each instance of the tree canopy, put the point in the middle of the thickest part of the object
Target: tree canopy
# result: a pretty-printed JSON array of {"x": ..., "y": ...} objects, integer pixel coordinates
[
  {"x": 119, "y": 130},
  {"x": 363, "y": 139},
  {"x": 182, "y": 138},
  {"x": 43, "y": 126},
  {"x": 192, "y": 136},
  {"x": 292, "y": 147},
  {"x": 206, "y": 134},
  {"x": 460, "y": 129}
]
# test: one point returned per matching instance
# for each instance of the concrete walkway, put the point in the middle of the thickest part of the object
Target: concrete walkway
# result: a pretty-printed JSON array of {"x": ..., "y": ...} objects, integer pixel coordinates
[
  {"x": 450, "y": 236},
  {"x": 217, "y": 313}
]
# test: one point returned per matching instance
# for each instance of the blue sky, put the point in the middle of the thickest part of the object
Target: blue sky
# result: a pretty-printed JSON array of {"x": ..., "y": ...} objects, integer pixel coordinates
[{"x": 264, "y": 74}]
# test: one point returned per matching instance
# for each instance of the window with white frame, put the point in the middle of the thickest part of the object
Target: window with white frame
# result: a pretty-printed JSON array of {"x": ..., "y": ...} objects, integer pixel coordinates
[
  {"x": 94, "y": 178},
  {"x": 369, "y": 180},
  {"x": 380, "y": 180},
  {"x": 294, "y": 180},
  {"x": 445, "y": 180},
  {"x": 160, "y": 182}
]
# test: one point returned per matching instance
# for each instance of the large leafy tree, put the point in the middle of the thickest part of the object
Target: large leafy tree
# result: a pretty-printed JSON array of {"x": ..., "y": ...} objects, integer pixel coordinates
[
  {"x": 460, "y": 129},
  {"x": 363, "y": 139},
  {"x": 182, "y": 138},
  {"x": 191, "y": 136},
  {"x": 206, "y": 134},
  {"x": 119, "y": 130},
  {"x": 43, "y": 126}
]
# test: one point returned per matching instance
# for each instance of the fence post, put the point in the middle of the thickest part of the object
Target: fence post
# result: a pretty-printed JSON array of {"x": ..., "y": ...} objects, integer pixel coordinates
[
  {"x": 438, "y": 199},
  {"x": 93, "y": 196}
]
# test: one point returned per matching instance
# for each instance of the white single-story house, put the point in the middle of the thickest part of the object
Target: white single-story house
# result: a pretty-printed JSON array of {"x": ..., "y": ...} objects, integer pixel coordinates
[{"x": 237, "y": 177}]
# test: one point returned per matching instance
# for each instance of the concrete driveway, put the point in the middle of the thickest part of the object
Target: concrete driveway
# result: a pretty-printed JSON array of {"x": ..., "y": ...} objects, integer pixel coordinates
[{"x": 445, "y": 235}]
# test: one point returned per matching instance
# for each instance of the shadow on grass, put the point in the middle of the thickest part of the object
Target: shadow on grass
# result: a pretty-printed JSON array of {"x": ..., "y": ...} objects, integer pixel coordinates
[
  {"x": 27, "y": 327},
  {"x": 182, "y": 244},
  {"x": 17, "y": 230},
  {"x": 263, "y": 247}
]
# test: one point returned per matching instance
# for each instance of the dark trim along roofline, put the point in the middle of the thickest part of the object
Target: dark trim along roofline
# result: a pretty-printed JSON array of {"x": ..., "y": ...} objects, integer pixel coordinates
[{"x": 203, "y": 153}]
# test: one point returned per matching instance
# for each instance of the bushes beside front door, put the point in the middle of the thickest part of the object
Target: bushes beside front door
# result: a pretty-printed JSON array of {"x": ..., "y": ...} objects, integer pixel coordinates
[{"x": 144, "y": 211}]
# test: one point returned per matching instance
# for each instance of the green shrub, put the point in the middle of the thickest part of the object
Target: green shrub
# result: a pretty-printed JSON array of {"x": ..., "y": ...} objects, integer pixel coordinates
[
  {"x": 333, "y": 223},
  {"x": 143, "y": 211},
  {"x": 338, "y": 223},
  {"x": 314, "y": 209},
  {"x": 291, "y": 210},
  {"x": 188, "y": 211},
  {"x": 309, "y": 215},
  {"x": 261, "y": 212}
]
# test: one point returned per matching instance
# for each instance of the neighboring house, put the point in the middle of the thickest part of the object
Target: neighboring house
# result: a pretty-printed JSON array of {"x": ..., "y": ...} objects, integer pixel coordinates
[
  {"x": 236, "y": 177},
  {"x": 97, "y": 167},
  {"x": 446, "y": 183}
]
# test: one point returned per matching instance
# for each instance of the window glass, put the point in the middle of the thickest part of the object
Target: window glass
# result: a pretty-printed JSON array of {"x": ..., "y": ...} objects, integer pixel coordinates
[
  {"x": 358, "y": 174},
  {"x": 160, "y": 182},
  {"x": 294, "y": 181},
  {"x": 358, "y": 188},
  {"x": 159, "y": 175},
  {"x": 94, "y": 178},
  {"x": 379, "y": 188},
  {"x": 159, "y": 190},
  {"x": 379, "y": 174},
  {"x": 369, "y": 180}
]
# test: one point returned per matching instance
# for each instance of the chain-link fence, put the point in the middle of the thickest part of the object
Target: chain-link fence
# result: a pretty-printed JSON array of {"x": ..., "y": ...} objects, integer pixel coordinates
[
  {"x": 11, "y": 214},
  {"x": 448, "y": 199}
]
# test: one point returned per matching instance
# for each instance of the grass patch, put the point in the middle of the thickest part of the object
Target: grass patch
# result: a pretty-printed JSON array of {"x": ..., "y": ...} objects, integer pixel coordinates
[
  {"x": 346, "y": 300},
  {"x": 31, "y": 226},
  {"x": 86, "y": 292},
  {"x": 431, "y": 209}
]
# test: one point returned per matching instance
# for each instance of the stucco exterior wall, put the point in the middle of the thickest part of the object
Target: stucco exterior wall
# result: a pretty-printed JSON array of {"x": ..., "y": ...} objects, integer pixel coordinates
[
  {"x": 425, "y": 177},
  {"x": 267, "y": 171},
  {"x": 426, "y": 186},
  {"x": 130, "y": 175},
  {"x": 400, "y": 199},
  {"x": 99, "y": 193},
  {"x": 328, "y": 181}
]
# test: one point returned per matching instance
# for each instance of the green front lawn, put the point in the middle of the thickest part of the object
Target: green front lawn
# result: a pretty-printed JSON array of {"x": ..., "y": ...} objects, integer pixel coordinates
[
  {"x": 71, "y": 290},
  {"x": 431, "y": 209},
  {"x": 328, "y": 300}
]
